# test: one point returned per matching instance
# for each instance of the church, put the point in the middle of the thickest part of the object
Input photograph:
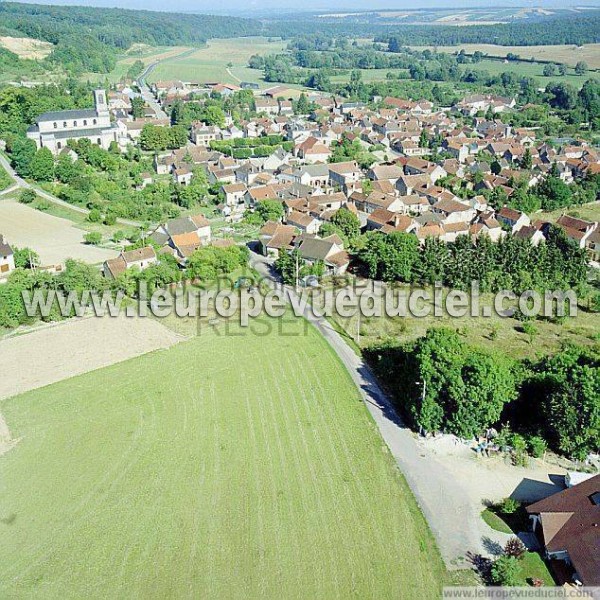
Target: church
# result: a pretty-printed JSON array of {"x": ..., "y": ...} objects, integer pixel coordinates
[{"x": 54, "y": 129}]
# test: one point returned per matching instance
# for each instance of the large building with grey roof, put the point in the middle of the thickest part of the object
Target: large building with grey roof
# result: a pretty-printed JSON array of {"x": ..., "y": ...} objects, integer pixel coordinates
[{"x": 54, "y": 129}]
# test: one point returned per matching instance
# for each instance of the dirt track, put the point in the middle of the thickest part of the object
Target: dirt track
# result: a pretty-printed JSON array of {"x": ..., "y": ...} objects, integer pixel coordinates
[{"x": 56, "y": 352}]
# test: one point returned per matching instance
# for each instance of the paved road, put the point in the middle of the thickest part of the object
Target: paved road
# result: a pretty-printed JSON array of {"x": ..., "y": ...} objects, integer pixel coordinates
[
  {"x": 145, "y": 90},
  {"x": 21, "y": 183},
  {"x": 448, "y": 508}
]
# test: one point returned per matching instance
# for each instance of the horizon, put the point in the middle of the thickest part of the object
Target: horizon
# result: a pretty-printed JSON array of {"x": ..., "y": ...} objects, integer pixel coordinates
[{"x": 261, "y": 7}]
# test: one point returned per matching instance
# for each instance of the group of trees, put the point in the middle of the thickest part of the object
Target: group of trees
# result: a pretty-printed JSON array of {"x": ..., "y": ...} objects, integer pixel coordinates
[
  {"x": 205, "y": 265},
  {"x": 440, "y": 383},
  {"x": 507, "y": 264},
  {"x": 154, "y": 138}
]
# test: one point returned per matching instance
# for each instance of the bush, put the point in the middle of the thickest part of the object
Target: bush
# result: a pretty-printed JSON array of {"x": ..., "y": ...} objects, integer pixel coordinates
[
  {"x": 118, "y": 236},
  {"x": 509, "y": 506},
  {"x": 93, "y": 238},
  {"x": 536, "y": 446},
  {"x": 27, "y": 196},
  {"x": 95, "y": 216},
  {"x": 110, "y": 219},
  {"x": 505, "y": 571},
  {"x": 514, "y": 547}
]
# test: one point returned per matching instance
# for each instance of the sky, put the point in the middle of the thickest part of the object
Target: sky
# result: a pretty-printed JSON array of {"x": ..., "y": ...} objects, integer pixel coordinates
[{"x": 265, "y": 6}]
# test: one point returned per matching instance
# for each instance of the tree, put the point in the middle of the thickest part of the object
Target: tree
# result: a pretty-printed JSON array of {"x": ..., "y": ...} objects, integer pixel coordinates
[
  {"x": 66, "y": 170},
  {"x": 527, "y": 160},
  {"x": 22, "y": 153},
  {"x": 475, "y": 399},
  {"x": 505, "y": 571},
  {"x": 581, "y": 67},
  {"x": 562, "y": 70},
  {"x": 289, "y": 265},
  {"x": 42, "y": 165},
  {"x": 347, "y": 223},
  {"x": 137, "y": 107},
  {"x": 25, "y": 258},
  {"x": 302, "y": 105},
  {"x": 269, "y": 210},
  {"x": 549, "y": 70}
]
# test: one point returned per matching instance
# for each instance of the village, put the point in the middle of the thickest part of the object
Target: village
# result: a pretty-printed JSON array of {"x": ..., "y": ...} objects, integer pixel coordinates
[
  {"x": 406, "y": 185},
  {"x": 397, "y": 166}
]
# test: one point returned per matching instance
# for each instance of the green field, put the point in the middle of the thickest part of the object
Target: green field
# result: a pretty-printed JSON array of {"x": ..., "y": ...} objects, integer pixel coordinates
[
  {"x": 493, "y": 333},
  {"x": 211, "y": 64},
  {"x": 527, "y": 69},
  {"x": 228, "y": 466}
]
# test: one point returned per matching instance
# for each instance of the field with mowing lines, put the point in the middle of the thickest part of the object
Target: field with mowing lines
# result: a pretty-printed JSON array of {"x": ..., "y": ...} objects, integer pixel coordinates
[
  {"x": 224, "y": 467},
  {"x": 210, "y": 64}
]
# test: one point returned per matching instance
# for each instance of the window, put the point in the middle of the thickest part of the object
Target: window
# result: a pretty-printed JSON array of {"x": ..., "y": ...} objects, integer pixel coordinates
[
  {"x": 59, "y": 145},
  {"x": 99, "y": 142},
  {"x": 84, "y": 122},
  {"x": 95, "y": 121},
  {"x": 55, "y": 125},
  {"x": 64, "y": 123},
  {"x": 74, "y": 123}
]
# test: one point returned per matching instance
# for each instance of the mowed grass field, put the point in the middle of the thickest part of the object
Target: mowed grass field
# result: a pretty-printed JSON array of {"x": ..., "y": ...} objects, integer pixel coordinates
[
  {"x": 227, "y": 466},
  {"x": 210, "y": 64}
]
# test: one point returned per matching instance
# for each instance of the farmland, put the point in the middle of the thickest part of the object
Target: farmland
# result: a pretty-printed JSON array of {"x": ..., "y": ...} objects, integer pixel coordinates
[
  {"x": 150, "y": 478},
  {"x": 211, "y": 63},
  {"x": 53, "y": 238},
  {"x": 144, "y": 53}
]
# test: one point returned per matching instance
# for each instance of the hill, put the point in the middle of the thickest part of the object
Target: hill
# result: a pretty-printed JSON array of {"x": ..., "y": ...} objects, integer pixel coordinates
[{"x": 89, "y": 39}]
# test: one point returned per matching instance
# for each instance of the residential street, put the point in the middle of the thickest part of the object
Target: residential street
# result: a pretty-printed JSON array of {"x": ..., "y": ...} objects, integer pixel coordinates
[{"x": 448, "y": 505}]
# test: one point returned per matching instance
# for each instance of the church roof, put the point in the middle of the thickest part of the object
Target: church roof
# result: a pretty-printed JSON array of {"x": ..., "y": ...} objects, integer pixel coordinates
[{"x": 89, "y": 113}]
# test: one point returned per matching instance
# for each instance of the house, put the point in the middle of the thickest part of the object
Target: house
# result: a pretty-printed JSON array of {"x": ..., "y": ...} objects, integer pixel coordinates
[
  {"x": 7, "y": 259},
  {"x": 304, "y": 221},
  {"x": 453, "y": 211},
  {"x": 183, "y": 176},
  {"x": 345, "y": 175},
  {"x": 234, "y": 195},
  {"x": 54, "y": 129},
  {"x": 330, "y": 251},
  {"x": 203, "y": 134},
  {"x": 268, "y": 106},
  {"x": 514, "y": 219},
  {"x": 577, "y": 230},
  {"x": 567, "y": 525},
  {"x": 141, "y": 258},
  {"x": 274, "y": 237},
  {"x": 183, "y": 235}
]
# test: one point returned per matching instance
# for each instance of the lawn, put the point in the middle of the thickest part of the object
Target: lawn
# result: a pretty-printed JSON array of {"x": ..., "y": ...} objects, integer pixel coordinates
[
  {"x": 210, "y": 64},
  {"x": 226, "y": 466}
]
